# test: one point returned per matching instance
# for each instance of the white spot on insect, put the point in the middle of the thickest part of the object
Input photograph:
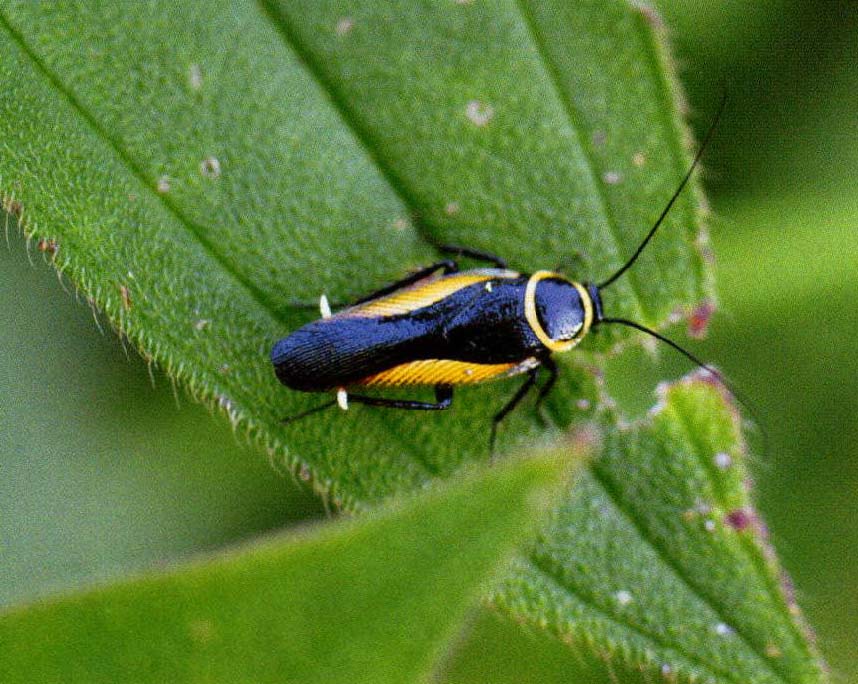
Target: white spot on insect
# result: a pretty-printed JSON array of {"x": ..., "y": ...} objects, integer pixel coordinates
[
  {"x": 210, "y": 167},
  {"x": 201, "y": 324},
  {"x": 195, "y": 77},
  {"x": 324, "y": 307},
  {"x": 612, "y": 177},
  {"x": 639, "y": 159},
  {"x": 489, "y": 286},
  {"x": 451, "y": 208},
  {"x": 163, "y": 185},
  {"x": 469, "y": 371},
  {"x": 666, "y": 669},
  {"x": 723, "y": 460},
  {"x": 623, "y": 597},
  {"x": 723, "y": 629},
  {"x": 344, "y": 26},
  {"x": 343, "y": 399},
  {"x": 479, "y": 113}
]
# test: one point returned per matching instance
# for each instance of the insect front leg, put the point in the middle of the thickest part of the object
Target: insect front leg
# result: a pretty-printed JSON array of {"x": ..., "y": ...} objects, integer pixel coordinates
[{"x": 549, "y": 365}]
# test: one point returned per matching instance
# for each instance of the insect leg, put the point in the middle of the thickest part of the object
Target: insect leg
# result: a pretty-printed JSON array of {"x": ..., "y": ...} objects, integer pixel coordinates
[
  {"x": 473, "y": 254},
  {"x": 443, "y": 399},
  {"x": 448, "y": 265},
  {"x": 510, "y": 405},
  {"x": 308, "y": 412},
  {"x": 551, "y": 367}
]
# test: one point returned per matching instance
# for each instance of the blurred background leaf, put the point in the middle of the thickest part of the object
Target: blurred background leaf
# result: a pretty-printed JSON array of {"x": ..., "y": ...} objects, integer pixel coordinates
[
  {"x": 369, "y": 600},
  {"x": 104, "y": 470}
]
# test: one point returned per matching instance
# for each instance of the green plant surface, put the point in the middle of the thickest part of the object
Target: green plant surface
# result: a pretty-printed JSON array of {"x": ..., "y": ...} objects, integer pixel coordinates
[
  {"x": 336, "y": 167},
  {"x": 791, "y": 343},
  {"x": 101, "y": 473},
  {"x": 349, "y": 601},
  {"x": 204, "y": 174},
  {"x": 659, "y": 557}
]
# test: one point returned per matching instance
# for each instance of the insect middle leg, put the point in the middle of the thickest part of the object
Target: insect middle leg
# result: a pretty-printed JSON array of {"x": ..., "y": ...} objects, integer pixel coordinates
[
  {"x": 551, "y": 367},
  {"x": 510, "y": 405}
]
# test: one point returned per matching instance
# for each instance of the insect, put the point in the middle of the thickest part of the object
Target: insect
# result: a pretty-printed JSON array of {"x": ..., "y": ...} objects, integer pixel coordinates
[{"x": 444, "y": 327}]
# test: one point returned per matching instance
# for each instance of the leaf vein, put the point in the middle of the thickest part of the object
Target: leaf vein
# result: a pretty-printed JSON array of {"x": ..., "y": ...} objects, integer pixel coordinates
[
  {"x": 361, "y": 132},
  {"x": 589, "y": 158},
  {"x": 664, "y": 556},
  {"x": 92, "y": 122},
  {"x": 566, "y": 586}
]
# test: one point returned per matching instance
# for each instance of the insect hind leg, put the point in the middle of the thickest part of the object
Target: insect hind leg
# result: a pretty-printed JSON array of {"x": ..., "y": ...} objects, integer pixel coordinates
[
  {"x": 443, "y": 400},
  {"x": 308, "y": 412},
  {"x": 475, "y": 254}
]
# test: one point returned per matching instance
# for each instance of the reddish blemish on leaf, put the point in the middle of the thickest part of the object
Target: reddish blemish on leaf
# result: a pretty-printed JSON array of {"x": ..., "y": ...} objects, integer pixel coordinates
[
  {"x": 48, "y": 246},
  {"x": 739, "y": 519},
  {"x": 698, "y": 321},
  {"x": 125, "y": 294}
]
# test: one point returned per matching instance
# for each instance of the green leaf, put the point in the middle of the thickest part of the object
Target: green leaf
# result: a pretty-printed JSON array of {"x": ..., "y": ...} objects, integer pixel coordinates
[
  {"x": 206, "y": 173},
  {"x": 790, "y": 344},
  {"x": 203, "y": 169},
  {"x": 350, "y": 601},
  {"x": 101, "y": 473},
  {"x": 658, "y": 560}
]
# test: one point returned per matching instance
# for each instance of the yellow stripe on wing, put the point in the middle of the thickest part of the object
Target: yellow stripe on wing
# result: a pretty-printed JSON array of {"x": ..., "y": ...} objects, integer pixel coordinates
[
  {"x": 444, "y": 372},
  {"x": 424, "y": 293}
]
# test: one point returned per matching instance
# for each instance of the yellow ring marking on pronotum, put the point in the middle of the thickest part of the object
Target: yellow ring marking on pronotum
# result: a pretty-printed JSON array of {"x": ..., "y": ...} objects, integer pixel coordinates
[
  {"x": 587, "y": 301},
  {"x": 533, "y": 319}
]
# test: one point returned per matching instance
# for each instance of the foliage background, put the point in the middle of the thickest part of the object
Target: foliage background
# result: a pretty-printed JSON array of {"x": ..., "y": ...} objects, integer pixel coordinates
[{"x": 109, "y": 463}]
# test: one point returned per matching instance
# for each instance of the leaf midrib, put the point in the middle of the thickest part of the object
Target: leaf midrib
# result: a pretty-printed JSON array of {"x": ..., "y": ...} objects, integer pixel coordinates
[
  {"x": 255, "y": 293},
  {"x": 573, "y": 120},
  {"x": 137, "y": 172},
  {"x": 550, "y": 575},
  {"x": 678, "y": 572}
]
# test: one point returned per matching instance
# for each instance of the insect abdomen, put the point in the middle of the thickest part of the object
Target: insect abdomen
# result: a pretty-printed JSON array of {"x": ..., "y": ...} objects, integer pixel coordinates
[{"x": 337, "y": 352}]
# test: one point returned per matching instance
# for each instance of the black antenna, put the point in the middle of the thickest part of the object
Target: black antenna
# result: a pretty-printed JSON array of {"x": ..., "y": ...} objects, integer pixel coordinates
[
  {"x": 740, "y": 397},
  {"x": 687, "y": 354},
  {"x": 676, "y": 194}
]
